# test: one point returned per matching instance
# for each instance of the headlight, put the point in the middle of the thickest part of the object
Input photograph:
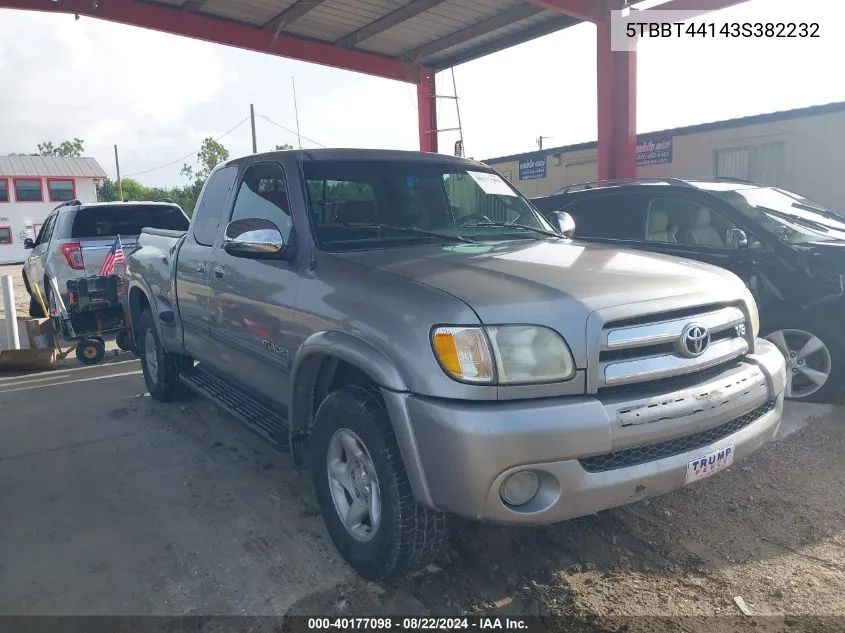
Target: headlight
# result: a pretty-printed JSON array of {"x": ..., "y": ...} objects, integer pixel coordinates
[
  {"x": 503, "y": 354},
  {"x": 753, "y": 313}
]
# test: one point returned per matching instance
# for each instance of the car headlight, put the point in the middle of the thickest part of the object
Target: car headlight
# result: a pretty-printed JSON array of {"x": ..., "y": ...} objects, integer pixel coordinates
[
  {"x": 753, "y": 313},
  {"x": 503, "y": 354}
]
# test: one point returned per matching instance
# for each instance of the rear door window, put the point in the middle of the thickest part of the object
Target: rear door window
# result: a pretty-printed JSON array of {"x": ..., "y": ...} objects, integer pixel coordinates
[
  {"x": 108, "y": 221},
  {"x": 609, "y": 216}
]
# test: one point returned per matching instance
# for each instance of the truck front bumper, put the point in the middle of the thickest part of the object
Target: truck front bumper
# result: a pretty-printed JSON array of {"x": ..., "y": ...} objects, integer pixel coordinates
[{"x": 589, "y": 453}]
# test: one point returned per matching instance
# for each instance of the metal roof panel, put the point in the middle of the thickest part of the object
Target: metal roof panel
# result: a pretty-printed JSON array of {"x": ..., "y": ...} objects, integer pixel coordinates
[
  {"x": 332, "y": 19},
  {"x": 22, "y": 165},
  {"x": 255, "y": 12},
  {"x": 440, "y": 21}
]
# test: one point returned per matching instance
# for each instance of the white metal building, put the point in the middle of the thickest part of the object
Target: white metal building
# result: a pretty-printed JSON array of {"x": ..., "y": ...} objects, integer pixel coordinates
[
  {"x": 800, "y": 150},
  {"x": 31, "y": 187}
]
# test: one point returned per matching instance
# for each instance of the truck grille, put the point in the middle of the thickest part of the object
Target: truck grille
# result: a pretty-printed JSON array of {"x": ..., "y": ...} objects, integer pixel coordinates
[
  {"x": 653, "y": 347},
  {"x": 636, "y": 455}
]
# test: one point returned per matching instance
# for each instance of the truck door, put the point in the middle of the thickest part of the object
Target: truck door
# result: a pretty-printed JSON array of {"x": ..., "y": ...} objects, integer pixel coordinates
[
  {"x": 193, "y": 266},
  {"x": 254, "y": 298}
]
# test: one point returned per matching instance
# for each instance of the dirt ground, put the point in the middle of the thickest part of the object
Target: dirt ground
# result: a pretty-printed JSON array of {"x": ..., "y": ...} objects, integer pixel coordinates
[
  {"x": 21, "y": 296},
  {"x": 769, "y": 531}
]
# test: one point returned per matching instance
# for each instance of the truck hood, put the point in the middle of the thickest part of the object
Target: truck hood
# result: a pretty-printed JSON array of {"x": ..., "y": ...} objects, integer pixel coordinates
[{"x": 555, "y": 283}]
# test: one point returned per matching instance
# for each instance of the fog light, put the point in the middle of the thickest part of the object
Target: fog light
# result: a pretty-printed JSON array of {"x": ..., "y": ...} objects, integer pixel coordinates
[{"x": 520, "y": 488}]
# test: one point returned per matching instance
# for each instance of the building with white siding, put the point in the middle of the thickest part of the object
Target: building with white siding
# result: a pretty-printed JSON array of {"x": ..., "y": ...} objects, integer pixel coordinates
[
  {"x": 31, "y": 187},
  {"x": 800, "y": 150}
]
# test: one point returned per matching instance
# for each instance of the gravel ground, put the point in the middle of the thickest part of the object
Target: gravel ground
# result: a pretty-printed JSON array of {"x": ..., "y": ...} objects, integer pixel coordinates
[{"x": 21, "y": 296}]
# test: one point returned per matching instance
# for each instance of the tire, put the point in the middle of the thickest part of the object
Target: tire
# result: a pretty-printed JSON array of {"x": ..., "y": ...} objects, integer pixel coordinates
[
  {"x": 791, "y": 335},
  {"x": 160, "y": 368},
  {"x": 406, "y": 535},
  {"x": 124, "y": 342},
  {"x": 90, "y": 351}
]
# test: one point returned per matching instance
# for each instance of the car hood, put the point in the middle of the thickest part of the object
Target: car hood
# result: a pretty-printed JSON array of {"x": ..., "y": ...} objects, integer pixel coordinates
[
  {"x": 557, "y": 283},
  {"x": 827, "y": 255}
]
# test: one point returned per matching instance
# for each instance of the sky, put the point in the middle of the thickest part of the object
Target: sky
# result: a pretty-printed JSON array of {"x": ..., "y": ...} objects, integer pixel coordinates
[{"x": 157, "y": 96}]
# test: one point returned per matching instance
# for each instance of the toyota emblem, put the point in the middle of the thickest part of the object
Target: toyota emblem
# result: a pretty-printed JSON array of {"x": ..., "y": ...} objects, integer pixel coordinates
[{"x": 694, "y": 340}]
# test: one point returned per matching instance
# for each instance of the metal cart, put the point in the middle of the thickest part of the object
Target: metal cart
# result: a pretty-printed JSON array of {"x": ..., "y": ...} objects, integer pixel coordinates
[{"x": 94, "y": 311}]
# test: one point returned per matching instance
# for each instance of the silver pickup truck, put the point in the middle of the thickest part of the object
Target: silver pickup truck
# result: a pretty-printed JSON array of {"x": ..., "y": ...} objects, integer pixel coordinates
[{"x": 416, "y": 334}]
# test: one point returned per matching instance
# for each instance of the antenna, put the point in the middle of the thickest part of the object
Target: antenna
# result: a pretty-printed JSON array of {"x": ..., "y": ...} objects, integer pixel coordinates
[
  {"x": 539, "y": 140},
  {"x": 296, "y": 111}
]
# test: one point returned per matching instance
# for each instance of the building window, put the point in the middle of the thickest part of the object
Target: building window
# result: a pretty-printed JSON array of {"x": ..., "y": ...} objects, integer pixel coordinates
[
  {"x": 28, "y": 190},
  {"x": 763, "y": 164},
  {"x": 4, "y": 190},
  {"x": 61, "y": 190},
  {"x": 5, "y": 235}
]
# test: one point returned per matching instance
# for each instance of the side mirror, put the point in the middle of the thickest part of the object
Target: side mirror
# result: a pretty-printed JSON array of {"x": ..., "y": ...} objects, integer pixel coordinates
[
  {"x": 736, "y": 239},
  {"x": 28, "y": 243},
  {"x": 254, "y": 238},
  {"x": 564, "y": 223}
]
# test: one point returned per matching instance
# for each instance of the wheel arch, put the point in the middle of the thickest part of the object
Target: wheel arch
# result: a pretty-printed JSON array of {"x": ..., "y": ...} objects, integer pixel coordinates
[{"x": 329, "y": 360}]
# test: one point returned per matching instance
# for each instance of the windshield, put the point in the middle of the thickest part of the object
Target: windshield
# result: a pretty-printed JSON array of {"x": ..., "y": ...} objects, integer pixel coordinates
[
  {"x": 358, "y": 205},
  {"x": 790, "y": 217},
  {"x": 126, "y": 220}
]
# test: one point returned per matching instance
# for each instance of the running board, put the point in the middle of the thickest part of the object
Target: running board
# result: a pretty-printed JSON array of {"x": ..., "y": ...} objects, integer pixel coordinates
[{"x": 258, "y": 416}]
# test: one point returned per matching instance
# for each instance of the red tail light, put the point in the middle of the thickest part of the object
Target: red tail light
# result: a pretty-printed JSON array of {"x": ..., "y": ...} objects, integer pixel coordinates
[{"x": 73, "y": 255}]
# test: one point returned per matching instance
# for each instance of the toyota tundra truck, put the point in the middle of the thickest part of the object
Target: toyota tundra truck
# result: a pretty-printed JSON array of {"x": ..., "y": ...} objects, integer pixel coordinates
[{"x": 422, "y": 340}]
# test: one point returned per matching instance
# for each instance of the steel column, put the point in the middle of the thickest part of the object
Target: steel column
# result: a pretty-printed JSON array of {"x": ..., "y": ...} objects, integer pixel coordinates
[
  {"x": 617, "y": 108},
  {"x": 427, "y": 105}
]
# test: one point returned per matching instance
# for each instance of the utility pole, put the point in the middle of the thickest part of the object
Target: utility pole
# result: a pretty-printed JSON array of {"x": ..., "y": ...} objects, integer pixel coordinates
[
  {"x": 117, "y": 167},
  {"x": 252, "y": 122},
  {"x": 296, "y": 111}
]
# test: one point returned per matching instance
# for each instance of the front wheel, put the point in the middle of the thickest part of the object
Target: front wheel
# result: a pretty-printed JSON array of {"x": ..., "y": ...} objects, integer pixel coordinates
[
  {"x": 363, "y": 490},
  {"x": 160, "y": 368},
  {"x": 815, "y": 359}
]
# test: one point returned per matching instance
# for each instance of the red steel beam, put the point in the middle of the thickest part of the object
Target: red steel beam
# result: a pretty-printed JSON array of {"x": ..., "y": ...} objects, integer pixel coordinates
[
  {"x": 587, "y": 10},
  {"x": 201, "y": 27},
  {"x": 427, "y": 106},
  {"x": 617, "y": 109}
]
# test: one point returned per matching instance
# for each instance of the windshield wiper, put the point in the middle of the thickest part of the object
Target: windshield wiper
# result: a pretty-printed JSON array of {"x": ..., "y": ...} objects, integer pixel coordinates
[
  {"x": 417, "y": 231},
  {"x": 831, "y": 215},
  {"x": 508, "y": 225},
  {"x": 798, "y": 219}
]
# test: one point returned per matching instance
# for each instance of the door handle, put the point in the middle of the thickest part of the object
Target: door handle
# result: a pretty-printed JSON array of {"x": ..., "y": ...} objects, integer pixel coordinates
[
  {"x": 219, "y": 271},
  {"x": 201, "y": 268}
]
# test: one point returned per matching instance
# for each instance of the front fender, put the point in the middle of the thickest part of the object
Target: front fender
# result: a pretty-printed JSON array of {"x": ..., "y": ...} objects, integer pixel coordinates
[
  {"x": 354, "y": 351},
  {"x": 382, "y": 370}
]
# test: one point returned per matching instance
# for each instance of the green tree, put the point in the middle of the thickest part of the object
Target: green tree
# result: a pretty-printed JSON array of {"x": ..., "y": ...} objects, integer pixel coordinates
[
  {"x": 134, "y": 190},
  {"x": 73, "y": 148},
  {"x": 107, "y": 191},
  {"x": 210, "y": 155}
]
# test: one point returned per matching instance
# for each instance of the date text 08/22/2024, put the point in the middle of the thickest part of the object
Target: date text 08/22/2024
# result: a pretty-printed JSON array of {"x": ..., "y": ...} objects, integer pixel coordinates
[{"x": 418, "y": 623}]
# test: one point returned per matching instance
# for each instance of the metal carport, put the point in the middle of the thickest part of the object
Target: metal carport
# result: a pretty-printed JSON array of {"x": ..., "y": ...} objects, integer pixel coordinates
[{"x": 404, "y": 40}]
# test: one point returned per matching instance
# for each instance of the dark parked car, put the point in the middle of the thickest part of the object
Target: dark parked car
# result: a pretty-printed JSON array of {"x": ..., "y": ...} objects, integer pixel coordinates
[{"x": 788, "y": 249}]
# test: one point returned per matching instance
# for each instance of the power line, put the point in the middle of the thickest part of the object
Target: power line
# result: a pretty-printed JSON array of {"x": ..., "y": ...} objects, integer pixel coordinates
[
  {"x": 193, "y": 153},
  {"x": 279, "y": 125}
]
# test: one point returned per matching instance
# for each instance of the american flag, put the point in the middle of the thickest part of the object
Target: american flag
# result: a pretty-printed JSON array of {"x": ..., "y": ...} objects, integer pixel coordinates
[{"x": 114, "y": 256}]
